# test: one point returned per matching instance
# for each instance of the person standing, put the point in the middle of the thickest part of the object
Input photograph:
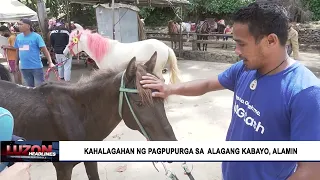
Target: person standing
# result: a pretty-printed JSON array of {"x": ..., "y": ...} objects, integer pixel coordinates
[
  {"x": 276, "y": 98},
  {"x": 28, "y": 44},
  {"x": 293, "y": 42},
  {"x": 11, "y": 53},
  {"x": 59, "y": 39}
]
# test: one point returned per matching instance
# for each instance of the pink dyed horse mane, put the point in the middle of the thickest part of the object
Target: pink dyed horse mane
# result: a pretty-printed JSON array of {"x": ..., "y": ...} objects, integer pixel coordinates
[{"x": 97, "y": 44}]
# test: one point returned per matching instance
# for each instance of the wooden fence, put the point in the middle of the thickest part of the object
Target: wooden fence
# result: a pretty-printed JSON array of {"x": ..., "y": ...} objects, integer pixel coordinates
[{"x": 194, "y": 40}]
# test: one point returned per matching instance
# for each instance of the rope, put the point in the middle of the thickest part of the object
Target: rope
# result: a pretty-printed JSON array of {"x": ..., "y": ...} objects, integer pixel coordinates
[{"x": 54, "y": 68}]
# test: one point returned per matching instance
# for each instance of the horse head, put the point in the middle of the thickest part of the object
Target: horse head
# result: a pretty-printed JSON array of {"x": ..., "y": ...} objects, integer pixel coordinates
[
  {"x": 75, "y": 46},
  {"x": 173, "y": 27},
  {"x": 139, "y": 110},
  {"x": 95, "y": 45}
]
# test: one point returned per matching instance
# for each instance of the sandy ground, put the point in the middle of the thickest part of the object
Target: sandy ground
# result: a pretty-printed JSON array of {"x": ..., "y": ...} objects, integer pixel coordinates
[{"x": 204, "y": 118}]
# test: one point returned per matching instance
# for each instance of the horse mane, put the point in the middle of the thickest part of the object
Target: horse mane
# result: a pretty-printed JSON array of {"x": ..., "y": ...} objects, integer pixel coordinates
[
  {"x": 145, "y": 94},
  {"x": 105, "y": 74},
  {"x": 97, "y": 44}
]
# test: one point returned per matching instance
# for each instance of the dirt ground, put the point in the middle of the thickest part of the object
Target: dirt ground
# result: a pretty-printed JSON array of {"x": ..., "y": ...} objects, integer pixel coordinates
[{"x": 204, "y": 118}]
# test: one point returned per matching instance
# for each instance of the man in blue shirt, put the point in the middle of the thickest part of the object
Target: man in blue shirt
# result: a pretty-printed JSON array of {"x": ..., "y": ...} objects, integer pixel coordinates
[
  {"x": 28, "y": 45},
  {"x": 275, "y": 97}
]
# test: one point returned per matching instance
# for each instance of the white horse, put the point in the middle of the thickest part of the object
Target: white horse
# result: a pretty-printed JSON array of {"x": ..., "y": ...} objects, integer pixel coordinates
[
  {"x": 112, "y": 54},
  {"x": 185, "y": 27}
]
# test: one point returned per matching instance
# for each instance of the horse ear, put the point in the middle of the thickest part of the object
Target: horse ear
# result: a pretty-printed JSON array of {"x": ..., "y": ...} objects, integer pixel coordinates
[
  {"x": 152, "y": 62},
  {"x": 131, "y": 69}
]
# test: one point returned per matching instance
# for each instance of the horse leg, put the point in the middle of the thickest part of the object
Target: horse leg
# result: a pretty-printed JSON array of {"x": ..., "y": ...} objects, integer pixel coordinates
[
  {"x": 92, "y": 170},
  {"x": 205, "y": 45},
  {"x": 64, "y": 170},
  {"x": 198, "y": 44},
  {"x": 203, "y": 38}
]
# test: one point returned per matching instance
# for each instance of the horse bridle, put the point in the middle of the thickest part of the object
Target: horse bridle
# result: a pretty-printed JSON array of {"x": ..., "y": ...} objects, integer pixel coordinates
[
  {"x": 123, "y": 92},
  {"x": 75, "y": 41}
]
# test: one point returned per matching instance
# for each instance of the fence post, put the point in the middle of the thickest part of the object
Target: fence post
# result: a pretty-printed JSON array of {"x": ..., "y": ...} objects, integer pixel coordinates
[{"x": 194, "y": 43}]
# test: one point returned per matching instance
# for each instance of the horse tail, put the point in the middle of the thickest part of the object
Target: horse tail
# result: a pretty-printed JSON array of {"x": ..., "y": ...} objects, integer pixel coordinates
[
  {"x": 4, "y": 73},
  {"x": 172, "y": 59}
]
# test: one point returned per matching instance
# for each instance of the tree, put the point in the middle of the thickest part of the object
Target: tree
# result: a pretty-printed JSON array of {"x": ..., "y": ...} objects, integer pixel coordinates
[{"x": 296, "y": 9}]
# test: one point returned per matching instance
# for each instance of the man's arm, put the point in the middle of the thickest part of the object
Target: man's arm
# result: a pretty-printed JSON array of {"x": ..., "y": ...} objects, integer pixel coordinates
[
  {"x": 305, "y": 126},
  {"x": 196, "y": 87},
  {"x": 16, "y": 46},
  {"x": 225, "y": 80},
  {"x": 44, "y": 49},
  {"x": 18, "y": 58},
  {"x": 46, "y": 53}
]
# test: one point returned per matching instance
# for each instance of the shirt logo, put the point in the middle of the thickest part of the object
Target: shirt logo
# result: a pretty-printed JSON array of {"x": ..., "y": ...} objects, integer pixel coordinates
[
  {"x": 24, "y": 48},
  {"x": 242, "y": 114}
]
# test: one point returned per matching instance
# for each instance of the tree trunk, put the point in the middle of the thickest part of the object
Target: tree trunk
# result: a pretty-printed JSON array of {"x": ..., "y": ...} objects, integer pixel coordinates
[{"x": 43, "y": 21}]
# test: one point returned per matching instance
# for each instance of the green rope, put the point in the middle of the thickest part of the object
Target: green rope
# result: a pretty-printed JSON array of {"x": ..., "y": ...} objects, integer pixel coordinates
[{"x": 124, "y": 91}]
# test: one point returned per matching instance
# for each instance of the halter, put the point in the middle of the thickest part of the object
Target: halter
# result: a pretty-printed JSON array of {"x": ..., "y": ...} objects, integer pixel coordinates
[
  {"x": 75, "y": 41},
  {"x": 123, "y": 91}
]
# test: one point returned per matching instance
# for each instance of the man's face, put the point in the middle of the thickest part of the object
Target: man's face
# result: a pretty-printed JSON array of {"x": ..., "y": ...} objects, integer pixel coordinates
[
  {"x": 23, "y": 27},
  {"x": 247, "y": 48}
]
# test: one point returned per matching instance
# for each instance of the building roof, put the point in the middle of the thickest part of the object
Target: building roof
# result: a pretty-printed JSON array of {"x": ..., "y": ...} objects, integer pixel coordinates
[{"x": 154, "y": 3}]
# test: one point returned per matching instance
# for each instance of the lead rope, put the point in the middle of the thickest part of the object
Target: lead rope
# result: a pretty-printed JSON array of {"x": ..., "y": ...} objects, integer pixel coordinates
[{"x": 123, "y": 90}]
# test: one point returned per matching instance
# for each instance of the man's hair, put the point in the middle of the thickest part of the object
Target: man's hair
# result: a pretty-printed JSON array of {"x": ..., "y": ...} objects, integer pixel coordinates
[{"x": 264, "y": 19}]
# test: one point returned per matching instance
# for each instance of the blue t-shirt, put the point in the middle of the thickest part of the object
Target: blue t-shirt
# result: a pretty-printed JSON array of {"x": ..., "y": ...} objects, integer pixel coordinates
[
  {"x": 6, "y": 129},
  {"x": 29, "y": 50},
  {"x": 284, "y": 107}
]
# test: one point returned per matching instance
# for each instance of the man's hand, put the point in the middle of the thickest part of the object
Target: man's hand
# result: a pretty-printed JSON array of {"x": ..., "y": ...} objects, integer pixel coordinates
[
  {"x": 51, "y": 65},
  {"x": 18, "y": 171},
  {"x": 152, "y": 82}
]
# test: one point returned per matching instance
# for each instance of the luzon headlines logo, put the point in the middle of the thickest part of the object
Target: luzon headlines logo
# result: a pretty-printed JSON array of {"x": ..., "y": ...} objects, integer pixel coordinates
[
  {"x": 241, "y": 113},
  {"x": 30, "y": 150}
]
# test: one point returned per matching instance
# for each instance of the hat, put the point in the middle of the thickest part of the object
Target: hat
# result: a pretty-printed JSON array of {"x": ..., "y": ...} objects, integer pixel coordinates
[{"x": 27, "y": 21}]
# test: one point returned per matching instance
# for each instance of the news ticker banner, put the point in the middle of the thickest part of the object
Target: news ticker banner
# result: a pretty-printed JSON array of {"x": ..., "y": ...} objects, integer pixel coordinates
[{"x": 112, "y": 151}]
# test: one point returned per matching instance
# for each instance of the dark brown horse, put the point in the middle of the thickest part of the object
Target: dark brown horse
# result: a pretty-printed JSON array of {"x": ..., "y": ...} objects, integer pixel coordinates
[
  {"x": 205, "y": 28},
  {"x": 174, "y": 33},
  {"x": 87, "y": 110}
]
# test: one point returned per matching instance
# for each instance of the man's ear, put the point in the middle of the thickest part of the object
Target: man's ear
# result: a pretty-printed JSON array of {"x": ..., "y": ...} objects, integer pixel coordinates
[
  {"x": 131, "y": 69},
  {"x": 272, "y": 39},
  {"x": 151, "y": 63}
]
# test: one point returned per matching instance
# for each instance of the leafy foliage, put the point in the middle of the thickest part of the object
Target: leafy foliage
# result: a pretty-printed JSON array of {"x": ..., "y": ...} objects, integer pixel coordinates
[
  {"x": 314, "y": 6},
  {"x": 199, "y": 9},
  {"x": 157, "y": 16}
]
